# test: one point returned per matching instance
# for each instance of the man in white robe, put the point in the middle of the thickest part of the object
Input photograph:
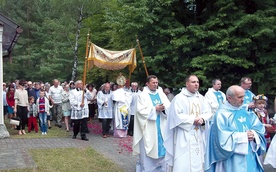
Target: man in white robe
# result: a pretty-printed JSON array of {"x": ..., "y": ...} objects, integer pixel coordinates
[
  {"x": 185, "y": 133},
  {"x": 149, "y": 127},
  {"x": 122, "y": 100},
  {"x": 79, "y": 105},
  {"x": 214, "y": 96},
  {"x": 105, "y": 108},
  {"x": 133, "y": 106}
]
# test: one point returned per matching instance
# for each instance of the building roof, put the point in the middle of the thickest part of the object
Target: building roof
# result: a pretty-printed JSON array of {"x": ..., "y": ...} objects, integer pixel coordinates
[{"x": 11, "y": 33}]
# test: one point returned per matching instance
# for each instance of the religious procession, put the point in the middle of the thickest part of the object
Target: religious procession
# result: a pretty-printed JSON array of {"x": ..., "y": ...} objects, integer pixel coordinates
[{"x": 213, "y": 132}]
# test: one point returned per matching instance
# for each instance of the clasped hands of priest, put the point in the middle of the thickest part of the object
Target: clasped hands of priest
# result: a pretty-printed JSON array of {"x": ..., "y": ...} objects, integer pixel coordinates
[
  {"x": 198, "y": 121},
  {"x": 160, "y": 107},
  {"x": 250, "y": 135}
]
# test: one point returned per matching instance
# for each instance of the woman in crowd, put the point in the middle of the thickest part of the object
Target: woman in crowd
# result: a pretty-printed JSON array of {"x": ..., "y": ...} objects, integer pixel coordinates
[
  {"x": 21, "y": 106},
  {"x": 66, "y": 108},
  {"x": 92, "y": 104}
]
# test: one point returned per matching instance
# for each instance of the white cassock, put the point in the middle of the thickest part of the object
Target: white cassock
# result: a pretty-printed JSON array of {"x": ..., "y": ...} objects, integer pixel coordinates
[
  {"x": 184, "y": 141},
  {"x": 122, "y": 100},
  {"x": 145, "y": 139},
  {"x": 105, "y": 112}
]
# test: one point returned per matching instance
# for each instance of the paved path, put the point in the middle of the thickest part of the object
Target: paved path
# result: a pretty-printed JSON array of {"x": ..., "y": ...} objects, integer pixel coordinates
[{"x": 14, "y": 153}]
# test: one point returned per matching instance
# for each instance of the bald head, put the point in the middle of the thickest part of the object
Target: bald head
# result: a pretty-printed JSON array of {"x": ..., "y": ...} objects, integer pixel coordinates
[{"x": 235, "y": 95}]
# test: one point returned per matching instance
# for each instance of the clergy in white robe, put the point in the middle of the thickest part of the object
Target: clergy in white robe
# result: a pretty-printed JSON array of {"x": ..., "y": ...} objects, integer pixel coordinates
[
  {"x": 79, "y": 114},
  {"x": 185, "y": 133},
  {"x": 122, "y": 100},
  {"x": 214, "y": 96},
  {"x": 133, "y": 106},
  {"x": 236, "y": 137},
  {"x": 105, "y": 108},
  {"x": 149, "y": 127}
]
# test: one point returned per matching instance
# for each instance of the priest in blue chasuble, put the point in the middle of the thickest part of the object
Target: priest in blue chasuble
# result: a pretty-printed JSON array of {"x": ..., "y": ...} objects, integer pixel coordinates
[{"x": 236, "y": 137}]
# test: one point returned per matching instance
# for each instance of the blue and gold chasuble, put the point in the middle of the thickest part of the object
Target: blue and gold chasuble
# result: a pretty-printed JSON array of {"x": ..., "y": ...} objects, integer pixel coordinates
[{"x": 161, "y": 149}]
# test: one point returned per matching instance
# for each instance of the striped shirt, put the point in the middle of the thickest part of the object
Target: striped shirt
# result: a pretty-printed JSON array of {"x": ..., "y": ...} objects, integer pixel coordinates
[{"x": 41, "y": 105}]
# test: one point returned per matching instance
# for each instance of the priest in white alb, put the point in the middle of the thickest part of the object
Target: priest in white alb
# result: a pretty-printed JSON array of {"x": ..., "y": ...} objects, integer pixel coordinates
[
  {"x": 105, "y": 108},
  {"x": 214, "y": 96},
  {"x": 185, "y": 134},
  {"x": 122, "y": 100},
  {"x": 149, "y": 127}
]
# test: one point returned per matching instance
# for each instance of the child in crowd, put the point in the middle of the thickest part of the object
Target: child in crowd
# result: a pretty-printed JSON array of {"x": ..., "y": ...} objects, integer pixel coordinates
[
  {"x": 270, "y": 157},
  {"x": 32, "y": 114},
  {"x": 43, "y": 109},
  {"x": 11, "y": 102},
  {"x": 260, "y": 104}
]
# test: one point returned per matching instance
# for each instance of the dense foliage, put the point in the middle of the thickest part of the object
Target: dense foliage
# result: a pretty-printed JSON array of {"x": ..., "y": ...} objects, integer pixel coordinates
[{"x": 225, "y": 39}]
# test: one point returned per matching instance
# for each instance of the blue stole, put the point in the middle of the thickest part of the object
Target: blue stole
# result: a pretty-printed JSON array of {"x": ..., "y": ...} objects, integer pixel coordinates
[
  {"x": 248, "y": 97},
  {"x": 219, "y": 97},
  {"x": 161, "y": 149},
  {"x": 242, "y": 121}
]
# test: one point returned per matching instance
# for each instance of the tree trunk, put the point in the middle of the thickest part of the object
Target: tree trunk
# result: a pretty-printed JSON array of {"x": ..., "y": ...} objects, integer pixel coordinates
[{"x": 74, "y": 69}]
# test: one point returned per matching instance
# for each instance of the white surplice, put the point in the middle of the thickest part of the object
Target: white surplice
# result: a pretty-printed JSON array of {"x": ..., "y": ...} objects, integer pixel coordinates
[
  {"x": 104, "y": 112},
  {"x": 75, "y": 98},
  {"x": 184, "y": 141},
  {"x": 133, "y": 104}
]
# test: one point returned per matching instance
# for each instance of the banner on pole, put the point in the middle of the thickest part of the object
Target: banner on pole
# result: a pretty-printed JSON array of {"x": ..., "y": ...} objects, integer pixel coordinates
[{"x": 111, "y": 60}]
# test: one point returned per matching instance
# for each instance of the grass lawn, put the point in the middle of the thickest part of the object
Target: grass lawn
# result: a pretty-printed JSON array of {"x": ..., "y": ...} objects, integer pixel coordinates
[
  {"x": 69, "y": 159},
  {"x": 53, "y": 132}
]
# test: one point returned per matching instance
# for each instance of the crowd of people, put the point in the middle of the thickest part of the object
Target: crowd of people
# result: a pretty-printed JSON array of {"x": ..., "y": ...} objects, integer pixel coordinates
[{"x": 215, "y": 132}]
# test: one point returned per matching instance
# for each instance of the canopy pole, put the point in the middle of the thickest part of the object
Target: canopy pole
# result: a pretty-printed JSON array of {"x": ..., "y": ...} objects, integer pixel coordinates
[
  {"x": 143, "y": 60},
  {"x": 129, "y": 77},
  {"x": 85, "y": 64}
]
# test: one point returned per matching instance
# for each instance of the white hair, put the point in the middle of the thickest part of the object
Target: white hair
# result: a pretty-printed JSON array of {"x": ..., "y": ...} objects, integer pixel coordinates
[
  {"x": 167, "y": 90},
  {"x": 134, "y": 84}
]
